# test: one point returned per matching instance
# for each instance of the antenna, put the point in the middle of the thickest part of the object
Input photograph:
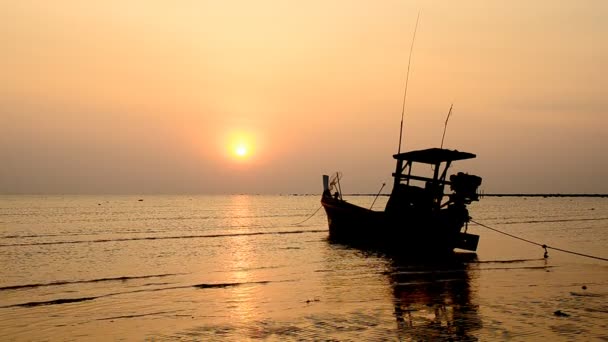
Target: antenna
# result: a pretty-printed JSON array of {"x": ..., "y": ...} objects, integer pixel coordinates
[
  {"x": 378, "y": 194},
  {"x": 445, "y": 127},
  {"x": 407, "y": 77}
]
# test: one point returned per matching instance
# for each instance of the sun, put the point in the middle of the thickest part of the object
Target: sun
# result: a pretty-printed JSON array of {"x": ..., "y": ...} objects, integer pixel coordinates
[
  {"x": 241, "y": 150},
  {"x": 240, "y": 147}
]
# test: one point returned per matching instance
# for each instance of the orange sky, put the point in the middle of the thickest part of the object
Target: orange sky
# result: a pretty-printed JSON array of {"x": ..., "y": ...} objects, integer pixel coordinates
[{"x": 152, "y": 96}]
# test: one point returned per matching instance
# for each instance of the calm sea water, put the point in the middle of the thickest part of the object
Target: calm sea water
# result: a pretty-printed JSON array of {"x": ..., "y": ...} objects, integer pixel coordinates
[{"x": 242, "y": 268}]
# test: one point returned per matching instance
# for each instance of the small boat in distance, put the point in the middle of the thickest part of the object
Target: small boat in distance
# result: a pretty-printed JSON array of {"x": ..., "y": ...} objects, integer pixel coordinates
[{"x": 419, "y": 215}]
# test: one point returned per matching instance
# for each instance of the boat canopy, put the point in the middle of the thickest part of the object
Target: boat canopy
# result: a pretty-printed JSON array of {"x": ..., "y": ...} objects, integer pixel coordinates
[{"x": 433, "y": 156}]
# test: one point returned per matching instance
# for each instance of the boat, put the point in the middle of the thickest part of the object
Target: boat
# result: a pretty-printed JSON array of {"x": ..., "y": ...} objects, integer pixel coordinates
[{"x": 420, "y": 215}]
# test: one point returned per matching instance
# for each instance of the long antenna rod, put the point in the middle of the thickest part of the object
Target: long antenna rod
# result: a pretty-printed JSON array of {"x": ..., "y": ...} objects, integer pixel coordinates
[
  {"x": 378, "y": 194},
  {"x": 407, "y": 77},
  {"x": 445, "y": 127}
]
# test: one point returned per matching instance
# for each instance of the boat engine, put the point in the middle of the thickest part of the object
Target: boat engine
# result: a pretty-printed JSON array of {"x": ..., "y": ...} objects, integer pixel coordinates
[{"x": 465, "y": 186}]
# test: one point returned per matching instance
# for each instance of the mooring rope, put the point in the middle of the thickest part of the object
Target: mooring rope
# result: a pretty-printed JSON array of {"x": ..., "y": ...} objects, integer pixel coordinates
[
  {"x": 544, "y": 246},
  {"x": 309, "y": 217}
]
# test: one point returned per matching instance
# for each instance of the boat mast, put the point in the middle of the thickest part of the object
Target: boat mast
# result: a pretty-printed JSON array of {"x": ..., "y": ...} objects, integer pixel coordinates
[
  {"x": 445, "y": 127},
  {"x": 407, "y": 76}
]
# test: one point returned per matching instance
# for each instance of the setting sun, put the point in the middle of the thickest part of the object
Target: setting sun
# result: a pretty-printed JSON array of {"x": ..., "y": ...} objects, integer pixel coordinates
[
  {"x": 240, "y": 146},
  {"x": 241, "y": 150}
]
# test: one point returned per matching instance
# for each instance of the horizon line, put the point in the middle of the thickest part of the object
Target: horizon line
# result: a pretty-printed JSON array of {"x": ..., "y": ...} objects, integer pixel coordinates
[{"x": 297, "y": 194}]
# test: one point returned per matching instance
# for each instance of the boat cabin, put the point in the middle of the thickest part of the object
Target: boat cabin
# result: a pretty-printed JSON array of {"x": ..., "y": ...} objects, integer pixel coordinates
[{"x": 426, "y": 193}]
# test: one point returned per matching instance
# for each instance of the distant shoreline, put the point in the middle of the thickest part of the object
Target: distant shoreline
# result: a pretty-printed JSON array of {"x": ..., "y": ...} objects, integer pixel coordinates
[
  {"x": 307, "y": 194},
  {"x": 507, "y": 195},
  {"x": 544, "y": 195}
]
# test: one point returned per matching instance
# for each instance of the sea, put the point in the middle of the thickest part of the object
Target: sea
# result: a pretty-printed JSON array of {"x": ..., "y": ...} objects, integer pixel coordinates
[{"x": 257, "y": 267}]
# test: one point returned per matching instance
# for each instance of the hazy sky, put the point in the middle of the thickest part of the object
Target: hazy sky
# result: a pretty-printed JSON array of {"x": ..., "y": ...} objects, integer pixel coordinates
[{"x": 154, "y": 96}]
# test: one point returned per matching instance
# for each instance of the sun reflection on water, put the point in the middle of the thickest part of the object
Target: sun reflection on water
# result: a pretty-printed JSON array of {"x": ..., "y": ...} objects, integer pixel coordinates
[{"x": 242, "y": 258}]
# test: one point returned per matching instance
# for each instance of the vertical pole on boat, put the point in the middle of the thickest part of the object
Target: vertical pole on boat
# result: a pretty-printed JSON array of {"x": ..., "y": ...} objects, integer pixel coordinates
[
  {"x": 339, "y": 187},
  {"x": 378, "y": 194},
  {"x": 407, "y": 77},
  {"x": 445, "y": 127}
]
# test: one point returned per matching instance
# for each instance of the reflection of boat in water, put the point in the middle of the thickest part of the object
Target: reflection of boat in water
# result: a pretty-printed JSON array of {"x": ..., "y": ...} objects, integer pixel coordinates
[
  {"x": 418, "y": 216},
  {"x": 433, "y": 301}
]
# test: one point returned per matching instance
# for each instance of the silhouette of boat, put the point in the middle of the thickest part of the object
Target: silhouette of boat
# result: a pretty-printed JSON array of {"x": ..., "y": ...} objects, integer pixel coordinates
[{"x": 419, "y": 216}]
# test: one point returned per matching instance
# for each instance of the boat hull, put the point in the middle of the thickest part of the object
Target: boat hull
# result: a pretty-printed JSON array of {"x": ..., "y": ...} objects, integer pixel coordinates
[{"x": 412, "y": 232}]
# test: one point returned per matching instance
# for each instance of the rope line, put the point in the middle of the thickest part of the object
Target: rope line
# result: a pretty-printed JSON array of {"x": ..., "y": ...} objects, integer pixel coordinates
[
  {"x": 507, "y": 234},
  {"x": 309, "y": 217},
  {"x": 539, "y": 244}
]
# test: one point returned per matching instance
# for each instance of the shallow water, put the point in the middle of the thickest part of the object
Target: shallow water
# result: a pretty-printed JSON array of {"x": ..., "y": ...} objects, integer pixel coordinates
[{"x": 240, "y": 267}]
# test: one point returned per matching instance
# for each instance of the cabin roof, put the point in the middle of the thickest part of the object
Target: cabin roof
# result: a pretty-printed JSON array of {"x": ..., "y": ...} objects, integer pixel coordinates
[{"x": 433, "y": 155}]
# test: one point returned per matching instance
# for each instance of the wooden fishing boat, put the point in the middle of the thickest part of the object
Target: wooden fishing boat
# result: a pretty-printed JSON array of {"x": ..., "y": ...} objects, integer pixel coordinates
[{"x": 419, "y": 215}]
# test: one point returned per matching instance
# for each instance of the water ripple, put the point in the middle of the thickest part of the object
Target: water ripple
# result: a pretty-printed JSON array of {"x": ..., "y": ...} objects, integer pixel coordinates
[
  {"x": 67, "y": 282},
  {"x": 164, "y": 238}
]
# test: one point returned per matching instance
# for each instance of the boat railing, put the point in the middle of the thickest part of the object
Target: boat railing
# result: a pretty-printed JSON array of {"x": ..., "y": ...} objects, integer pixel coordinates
[{"x": 424, "y": 179}]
